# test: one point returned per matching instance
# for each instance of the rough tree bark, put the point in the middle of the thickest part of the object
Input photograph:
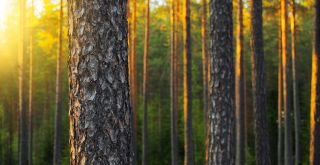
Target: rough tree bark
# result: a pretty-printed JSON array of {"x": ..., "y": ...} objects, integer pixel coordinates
[
  {"x": 287, "y": 111},
  {"x": 294, "y": 83},
  {"x": 145, "y": 86},
  {"x": 315, "y": 92},
  {"x": 30, "y": 125},
  {"x": 173, "y": 90},
  {"x": 99, "y": 103},
  {"x": 222, "y": 100},
  {"x": 280, "y": 98},
  {"x": 58, "y": 117},
  {"x": 239, "y": 89},
  {"x": 187, "y": 92},
  {"x": 258, "y": 84},
  {"x": 23, "y": 126}
]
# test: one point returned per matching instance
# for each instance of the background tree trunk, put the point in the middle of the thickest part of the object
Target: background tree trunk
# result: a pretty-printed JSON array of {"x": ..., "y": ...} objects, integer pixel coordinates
[
  {"x": 287, "y": 111},
  {"x": 294, "y": 83},
  {"x": 58, "y": 117},
  {"x": 133, "y": 79},
  {"x": 23, "y": 128},
  {"x": 239, "y": 89},
  {"x": 173, "y": 86},
  {"x": 315, "y": 92},
  {"x": 187, "y": 92},
  {"x": 145, "y": 86},
  {"x": 258, "y": 84},
  {"x": 100, "y": 115},
  {"x": 280, "y": 97},
  {"x": 204, "y": 57},
  {"x": 222, "y": 108},
  {"x": 30, "y": 126}
]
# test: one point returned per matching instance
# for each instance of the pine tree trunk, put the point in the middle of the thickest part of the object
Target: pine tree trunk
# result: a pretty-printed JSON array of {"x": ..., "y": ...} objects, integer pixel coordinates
[
  {"x": 30, "y": 125},
  {"x": 239, "y": 89},
  {"x": 57, "y": 129},
  {"x": 204, "y": 57},
  {"x": 280, "y": 97},
  {"x": 222, "y": 108},
  {"x": 258, "y": 84},
  {"x": 99, "y": 112},
  {"x": 23, "y": 126},
  {"x": 145, "y": 87},
  {"x": 287, "y": 111},
  {"x": 133, "y": 79},
  {"x": 315, "y": 92},
  {"x": 295, "y": 90},
  {"x": 187, "y": 94},
  {"x": 173, "y": 86}
]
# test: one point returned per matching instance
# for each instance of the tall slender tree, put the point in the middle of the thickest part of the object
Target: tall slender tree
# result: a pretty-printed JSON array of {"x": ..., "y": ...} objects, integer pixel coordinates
[
  {"x": 173, "y": 86},
  {"x": 23, "y": 128},
  {"x": 145, "y": 86},
  {"x": 222, "y": 108},
  {"x": 315, "y": 92},
  {"x": 239, "y": 88},
  {"x": 287, "y": 111},
  {"x": 294, "y": 83},
  {"x": 130, "y": 64},
  {"x": 258, "y": 84},
  {"x": 187, "y": 94},
  {"x": 204, "y": 56},
  {"x": 280, "y": 97},
  {"x": 133, "y": 78},
  {"x": 30, "y": 125},
  {"x": 99, "y": 103},
  {"x": 58, "y": 117}
]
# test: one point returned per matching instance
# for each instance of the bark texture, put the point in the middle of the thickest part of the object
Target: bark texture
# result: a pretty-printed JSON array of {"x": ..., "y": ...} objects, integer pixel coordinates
[
  {"x": 58, "y": 117},
  {"x": 222, "y": 99},
  {"x": 315, "y": 92},
  {"x": 23, "y": 126},
  {"x": 258, "y": 84},
  {"x": 287, "y": 111},
  {"x": 239, "y": 89},
  {"x": 173, "y": 86},
  {"x": 294, "y": 83},
  {"x": 187, "y": 93},
  {"x": 145, "y": 87},
  {"x": 99, "y": 103}
]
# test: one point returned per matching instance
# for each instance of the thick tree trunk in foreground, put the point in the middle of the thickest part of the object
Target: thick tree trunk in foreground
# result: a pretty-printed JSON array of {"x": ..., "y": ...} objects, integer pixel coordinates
[
  {"x": 258, "y": 84},
  {"x": 222, "y": 101},
  {"x": 280, "y": 98},
  {"x": 173, "y": 87},
  {"x": 239, "y": 89},
  {"x": 294, "y": 83},
  {"x": 57, "y": 128},
  {"x": 99, "y": 103},
  {"x": 145, "y": 87},
  {"x": 23, "y": 126},
  {"x": 187, "y": 94},
  {"x": 315, "y": 92},
  {"x": 287, "y": 111}
]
